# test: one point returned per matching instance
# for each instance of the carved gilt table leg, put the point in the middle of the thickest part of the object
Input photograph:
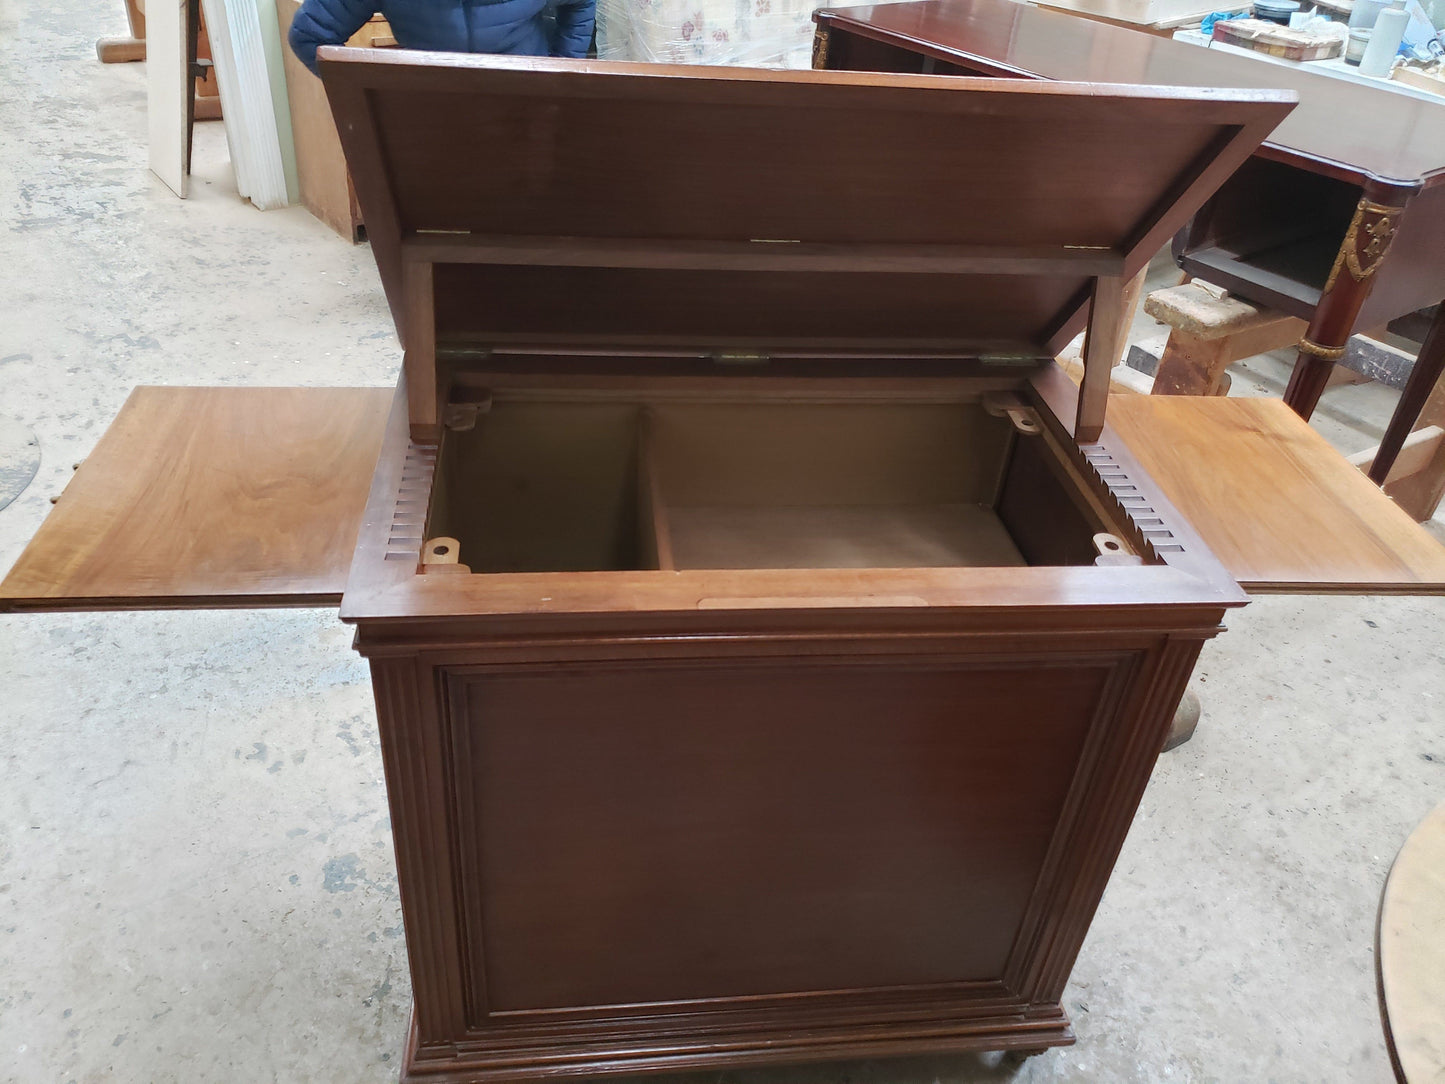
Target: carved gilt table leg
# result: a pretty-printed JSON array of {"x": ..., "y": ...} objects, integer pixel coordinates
[{"x": 1364, "y": 248}]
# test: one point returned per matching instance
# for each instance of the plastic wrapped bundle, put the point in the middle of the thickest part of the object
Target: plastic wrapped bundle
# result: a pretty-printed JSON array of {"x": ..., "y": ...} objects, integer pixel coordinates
[{"x": 746, "y": 33}]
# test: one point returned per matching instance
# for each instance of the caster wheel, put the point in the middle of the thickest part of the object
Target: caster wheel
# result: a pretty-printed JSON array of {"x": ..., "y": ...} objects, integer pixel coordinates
[{"x": 1019, "y": 1056}]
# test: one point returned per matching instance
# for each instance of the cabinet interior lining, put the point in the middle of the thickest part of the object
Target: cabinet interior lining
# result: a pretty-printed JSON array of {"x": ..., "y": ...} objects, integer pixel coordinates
[{"x": 550, "y": 484}]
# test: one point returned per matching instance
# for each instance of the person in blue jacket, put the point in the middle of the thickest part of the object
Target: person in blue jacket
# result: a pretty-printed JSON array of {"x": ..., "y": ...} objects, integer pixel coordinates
[{"x": 525, "y": 27}]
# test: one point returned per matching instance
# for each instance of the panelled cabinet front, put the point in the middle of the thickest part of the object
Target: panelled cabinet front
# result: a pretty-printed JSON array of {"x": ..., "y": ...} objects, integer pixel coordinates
[{"x": 704, "y": 847}]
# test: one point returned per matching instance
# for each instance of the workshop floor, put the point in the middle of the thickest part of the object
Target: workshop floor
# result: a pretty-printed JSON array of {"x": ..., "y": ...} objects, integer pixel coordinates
[{"x": 196, "y": 875}]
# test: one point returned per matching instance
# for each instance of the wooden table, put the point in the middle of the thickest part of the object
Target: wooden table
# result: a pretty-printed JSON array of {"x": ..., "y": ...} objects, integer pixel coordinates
[
  {"x": 1355, "y": 175},
  {"x": 1410, "y": 955}
]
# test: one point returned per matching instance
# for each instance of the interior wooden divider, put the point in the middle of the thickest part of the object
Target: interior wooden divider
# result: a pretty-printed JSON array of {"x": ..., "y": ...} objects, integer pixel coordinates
[{"x": 654, "y": 533}]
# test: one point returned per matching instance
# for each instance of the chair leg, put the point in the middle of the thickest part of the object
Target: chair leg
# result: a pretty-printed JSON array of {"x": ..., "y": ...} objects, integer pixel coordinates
[{"x": 1429, "y": 363}]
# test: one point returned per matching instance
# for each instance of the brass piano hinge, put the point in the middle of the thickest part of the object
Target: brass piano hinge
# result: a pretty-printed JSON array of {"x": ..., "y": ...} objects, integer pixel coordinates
[{"x": 740, "y": 357}]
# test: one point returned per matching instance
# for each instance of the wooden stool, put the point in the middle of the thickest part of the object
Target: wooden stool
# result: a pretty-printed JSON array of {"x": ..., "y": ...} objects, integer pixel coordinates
[
  {"x": 125, "y": 50},
  {"x": 1417, "y": 477},
  {"x": 1209, "y": 332}
]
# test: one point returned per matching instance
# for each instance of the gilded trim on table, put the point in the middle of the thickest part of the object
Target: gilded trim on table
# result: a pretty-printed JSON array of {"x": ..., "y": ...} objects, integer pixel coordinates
[
  {"x": 1329, "y": 353},
  {"x": 820, "y": 49},
  {"x": 1377, "y": 222}
]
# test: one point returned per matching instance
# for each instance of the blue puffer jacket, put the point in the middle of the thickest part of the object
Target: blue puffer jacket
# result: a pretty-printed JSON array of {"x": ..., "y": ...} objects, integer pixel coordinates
[{"x": 526, "y": 27}]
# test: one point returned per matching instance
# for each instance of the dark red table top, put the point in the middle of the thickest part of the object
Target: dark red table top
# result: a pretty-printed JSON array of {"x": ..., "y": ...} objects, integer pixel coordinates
[{"x": 1341, "y": 127}]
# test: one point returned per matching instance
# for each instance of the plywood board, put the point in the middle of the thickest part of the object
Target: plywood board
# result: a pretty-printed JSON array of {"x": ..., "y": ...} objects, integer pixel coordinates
[{"x": 325, "y": 186}]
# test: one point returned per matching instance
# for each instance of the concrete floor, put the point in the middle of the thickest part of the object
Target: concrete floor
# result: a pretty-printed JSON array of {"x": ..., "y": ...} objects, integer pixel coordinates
[{"x": 196, "y": 876}]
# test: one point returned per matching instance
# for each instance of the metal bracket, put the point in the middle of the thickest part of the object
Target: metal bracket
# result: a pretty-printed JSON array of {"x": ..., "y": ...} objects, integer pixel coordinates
[
  {"x": 1005, "y": 404},
  {"x": 460, "y": 417},
  {"x": 1111, "y": 550}
]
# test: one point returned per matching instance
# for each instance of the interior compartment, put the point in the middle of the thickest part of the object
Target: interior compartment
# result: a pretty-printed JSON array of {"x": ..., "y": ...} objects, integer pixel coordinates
[
  {"x": 1277, "y": 227},
  {"x": 554, "y": 483}
]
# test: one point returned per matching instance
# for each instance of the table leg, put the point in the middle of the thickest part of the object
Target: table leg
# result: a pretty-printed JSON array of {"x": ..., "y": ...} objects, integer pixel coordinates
[
  {"x": 1351, "y": 279},
  {"x": 1426, "y": 373}
]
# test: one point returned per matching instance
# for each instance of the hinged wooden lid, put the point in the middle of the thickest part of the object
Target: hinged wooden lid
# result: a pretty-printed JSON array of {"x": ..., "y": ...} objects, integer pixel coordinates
[{"x": 548, "y": 203}]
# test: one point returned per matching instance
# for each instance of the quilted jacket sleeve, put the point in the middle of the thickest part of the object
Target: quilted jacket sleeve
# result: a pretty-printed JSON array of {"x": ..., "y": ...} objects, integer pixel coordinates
[
  {"x": 574, "y": 27},
  {"x": 327, "y": 22}
]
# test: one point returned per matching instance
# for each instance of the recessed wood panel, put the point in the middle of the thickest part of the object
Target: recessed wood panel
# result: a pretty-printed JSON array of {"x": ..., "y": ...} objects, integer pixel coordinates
[
  {"x": 203, "y": 497},
  {"x": 648, "y": 833},
  {"x": 625, "y": 156}
]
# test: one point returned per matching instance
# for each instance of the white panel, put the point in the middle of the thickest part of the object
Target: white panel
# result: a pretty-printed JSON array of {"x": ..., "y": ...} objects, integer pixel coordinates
[
  {"x": 238, "y": 49},
  {"x": 167, "y": 85}
]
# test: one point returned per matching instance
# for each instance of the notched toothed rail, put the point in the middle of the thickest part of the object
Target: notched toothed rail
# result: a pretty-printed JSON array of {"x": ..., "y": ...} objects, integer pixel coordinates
[
  {"x": 408, "y": 520},
  {"x": 1136, "y": 507}
]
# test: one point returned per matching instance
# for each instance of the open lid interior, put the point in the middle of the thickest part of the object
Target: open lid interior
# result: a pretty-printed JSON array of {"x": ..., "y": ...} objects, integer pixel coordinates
[{"x": 623, "y": 207}]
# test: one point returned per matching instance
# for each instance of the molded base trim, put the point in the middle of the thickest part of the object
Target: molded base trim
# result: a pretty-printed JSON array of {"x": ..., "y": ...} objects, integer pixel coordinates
[{"x": 1043, "y": 1026}]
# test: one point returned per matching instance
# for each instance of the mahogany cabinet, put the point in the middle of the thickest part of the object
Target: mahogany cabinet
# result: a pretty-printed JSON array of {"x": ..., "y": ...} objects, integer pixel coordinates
[{"x": 770, "y": 644}]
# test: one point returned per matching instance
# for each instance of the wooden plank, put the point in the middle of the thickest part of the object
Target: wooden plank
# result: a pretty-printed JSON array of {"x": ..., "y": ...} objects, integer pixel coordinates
[
  {"x": 1228, "y": 270},
  {"x": 206, "y": 497},
  {"x": 168, "y": 89},
  {"x": 1420, "y": 493},
  {"x": 1417, "y": 453},
  {"x": 1278, "y": 506},
  {"x": 1192, "y": 309}
]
